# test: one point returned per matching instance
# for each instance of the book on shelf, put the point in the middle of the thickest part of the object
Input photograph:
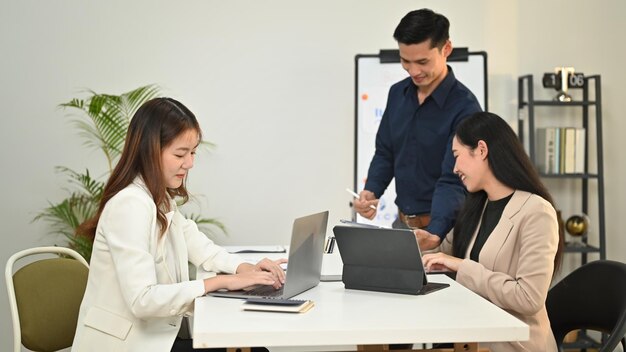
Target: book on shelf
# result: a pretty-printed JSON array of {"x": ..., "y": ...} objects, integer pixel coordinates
[
  {"x": 579, "y": 153},
  {"x": 560, "y": 150},
  {"x": 569, "y": 149},
  {"x": 278, "y": 305},
  {"x": 547, "y": 143},
  {"x": 544, "y": 150},
  {"x": 574, "y": 151}
]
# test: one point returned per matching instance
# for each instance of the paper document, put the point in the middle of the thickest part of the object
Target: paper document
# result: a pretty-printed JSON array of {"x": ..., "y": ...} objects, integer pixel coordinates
[{"x": 256, "y": 249}]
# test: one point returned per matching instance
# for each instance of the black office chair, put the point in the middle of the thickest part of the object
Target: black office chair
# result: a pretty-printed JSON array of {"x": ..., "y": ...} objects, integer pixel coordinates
[{"x": 591, "y": 297}]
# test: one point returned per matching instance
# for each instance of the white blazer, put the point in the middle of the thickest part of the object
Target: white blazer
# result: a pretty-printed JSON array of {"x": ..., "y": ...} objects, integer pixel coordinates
[{"x": 132, "y": 301}]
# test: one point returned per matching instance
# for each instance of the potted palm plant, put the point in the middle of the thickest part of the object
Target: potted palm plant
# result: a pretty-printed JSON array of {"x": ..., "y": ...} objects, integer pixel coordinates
[{"x": 102, "y": 123}]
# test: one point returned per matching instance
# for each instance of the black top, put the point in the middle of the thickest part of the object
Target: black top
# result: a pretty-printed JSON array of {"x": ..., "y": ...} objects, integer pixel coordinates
[
  {"x": 491, "y": 216},
  {"x": 413, "y": 145}
]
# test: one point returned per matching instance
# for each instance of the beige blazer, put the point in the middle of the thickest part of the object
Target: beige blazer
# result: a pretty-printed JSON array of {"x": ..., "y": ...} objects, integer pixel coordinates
[
  {"x": 514, "y": 267},
  {"x": 133, "y": 301}
]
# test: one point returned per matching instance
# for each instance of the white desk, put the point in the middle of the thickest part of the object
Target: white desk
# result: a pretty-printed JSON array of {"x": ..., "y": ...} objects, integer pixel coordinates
[{"x": 352, "y": 317}]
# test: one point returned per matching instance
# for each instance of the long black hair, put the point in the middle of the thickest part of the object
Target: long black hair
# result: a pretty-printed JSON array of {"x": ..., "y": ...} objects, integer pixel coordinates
[{"x": 510, "y": 165}]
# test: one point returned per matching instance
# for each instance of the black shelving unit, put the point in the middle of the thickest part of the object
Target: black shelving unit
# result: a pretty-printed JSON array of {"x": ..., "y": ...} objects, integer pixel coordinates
[
  {"x": 591, "y": 112},
  {"x": 527, "y": 101}
]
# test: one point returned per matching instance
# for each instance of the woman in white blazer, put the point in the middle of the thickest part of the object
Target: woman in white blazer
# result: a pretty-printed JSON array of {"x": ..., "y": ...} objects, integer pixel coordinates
[
  {"x": 138, "y": 289},
  {"x": 506, "y": 244}
]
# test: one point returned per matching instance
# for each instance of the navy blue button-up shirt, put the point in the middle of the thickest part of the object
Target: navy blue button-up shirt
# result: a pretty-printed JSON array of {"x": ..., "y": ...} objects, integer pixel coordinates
[{"x": 414, "y": 145}]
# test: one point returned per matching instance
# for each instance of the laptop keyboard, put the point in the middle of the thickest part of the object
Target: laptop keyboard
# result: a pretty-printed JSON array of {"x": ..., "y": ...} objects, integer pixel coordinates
[{"x": 265, "y": 290}]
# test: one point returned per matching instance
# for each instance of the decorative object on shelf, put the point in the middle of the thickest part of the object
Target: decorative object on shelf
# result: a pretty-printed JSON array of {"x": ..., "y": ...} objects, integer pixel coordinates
[
  {"x": 562, "y": 79},
  {"x": 577, "y": 226}
]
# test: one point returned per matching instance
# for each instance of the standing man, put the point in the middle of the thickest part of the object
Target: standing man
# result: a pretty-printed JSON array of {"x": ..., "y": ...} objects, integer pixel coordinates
[{"x": 413, "y": 142}]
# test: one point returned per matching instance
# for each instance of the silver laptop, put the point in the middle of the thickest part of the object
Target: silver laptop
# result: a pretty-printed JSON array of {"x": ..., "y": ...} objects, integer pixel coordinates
[{"x": 305, "y": 261}]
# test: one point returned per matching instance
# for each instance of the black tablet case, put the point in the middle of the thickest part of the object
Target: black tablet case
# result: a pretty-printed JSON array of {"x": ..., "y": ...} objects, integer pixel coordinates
[{"x": 378, "y": 259}]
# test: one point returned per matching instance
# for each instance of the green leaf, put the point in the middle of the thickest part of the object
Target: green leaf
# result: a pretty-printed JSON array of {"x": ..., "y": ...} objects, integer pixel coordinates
[{"x": 208, "y": 226}]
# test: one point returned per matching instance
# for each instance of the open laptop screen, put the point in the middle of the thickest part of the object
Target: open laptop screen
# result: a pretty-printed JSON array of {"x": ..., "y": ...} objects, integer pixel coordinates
[{"x": 306, "y": 250}]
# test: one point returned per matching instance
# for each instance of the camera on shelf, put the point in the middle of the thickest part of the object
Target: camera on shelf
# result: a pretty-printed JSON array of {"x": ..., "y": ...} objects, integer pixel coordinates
[{"x": 563, "y": 79}]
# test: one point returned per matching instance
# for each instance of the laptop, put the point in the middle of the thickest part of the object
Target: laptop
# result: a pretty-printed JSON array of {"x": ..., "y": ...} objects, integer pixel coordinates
[
  {"x": 381, "y": 259},
  {"x": 305, "y": 261}
]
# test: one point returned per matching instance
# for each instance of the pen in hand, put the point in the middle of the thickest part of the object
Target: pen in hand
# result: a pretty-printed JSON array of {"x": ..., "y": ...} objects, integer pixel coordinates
[{"x": 355, "y": 195}]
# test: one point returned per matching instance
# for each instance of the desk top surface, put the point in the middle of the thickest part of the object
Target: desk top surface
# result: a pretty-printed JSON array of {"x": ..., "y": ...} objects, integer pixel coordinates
[{"x": 350, "y": 317}]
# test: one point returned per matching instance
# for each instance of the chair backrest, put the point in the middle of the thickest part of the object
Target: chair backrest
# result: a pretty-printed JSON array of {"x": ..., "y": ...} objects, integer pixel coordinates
[
  {"x": 44, "y": 297},
  {"x": 591, "y": 297}
]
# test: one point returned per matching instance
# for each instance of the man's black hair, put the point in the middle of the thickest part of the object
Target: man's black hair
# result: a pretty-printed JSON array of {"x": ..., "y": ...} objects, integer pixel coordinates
[{"x": 420, "y": 25}]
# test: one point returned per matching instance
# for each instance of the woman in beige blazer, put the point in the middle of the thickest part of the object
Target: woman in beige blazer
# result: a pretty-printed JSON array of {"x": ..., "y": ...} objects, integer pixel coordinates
[
  {"x": 506, "y": 243},
  {"x": 138, "y": 291}
]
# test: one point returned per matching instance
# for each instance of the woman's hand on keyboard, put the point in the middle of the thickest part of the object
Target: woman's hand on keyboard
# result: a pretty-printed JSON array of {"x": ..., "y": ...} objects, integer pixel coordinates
[
  {"x": 273, "y": 266},
  {"x": 240, "y": 280}
]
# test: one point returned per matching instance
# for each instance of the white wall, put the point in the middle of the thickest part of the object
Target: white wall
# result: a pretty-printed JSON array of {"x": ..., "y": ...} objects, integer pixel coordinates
[{"x": 272, "y": 85}]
